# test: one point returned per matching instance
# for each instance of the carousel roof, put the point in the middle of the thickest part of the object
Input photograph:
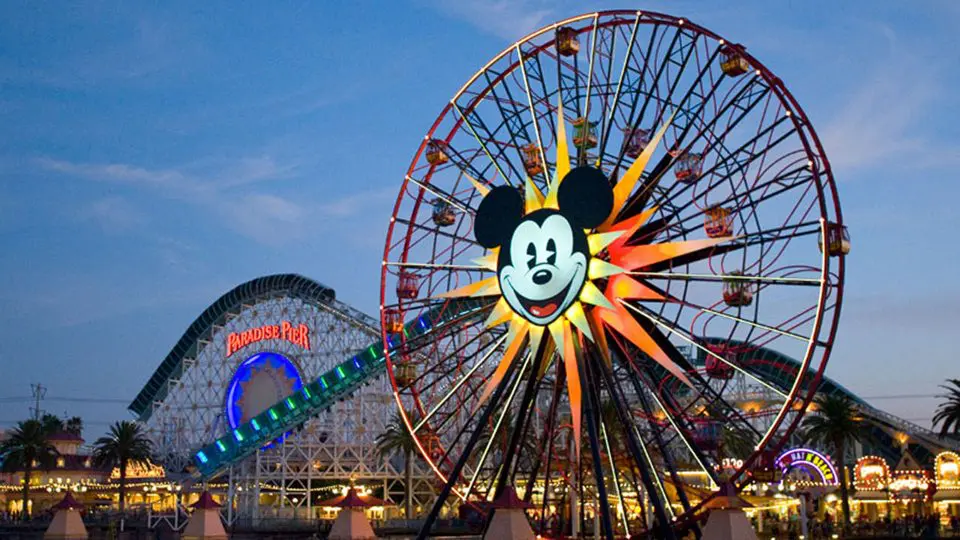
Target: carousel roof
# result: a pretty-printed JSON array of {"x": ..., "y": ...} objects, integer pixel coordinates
[
  {"x": 206, "y": 502},
  {"x": 68, "y": 503}
]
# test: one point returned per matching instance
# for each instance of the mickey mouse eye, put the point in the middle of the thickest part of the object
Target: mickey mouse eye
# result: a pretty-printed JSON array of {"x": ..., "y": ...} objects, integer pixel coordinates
[
  {"x": 552, "y": 250},
  {"x": 532, "y": 253}
]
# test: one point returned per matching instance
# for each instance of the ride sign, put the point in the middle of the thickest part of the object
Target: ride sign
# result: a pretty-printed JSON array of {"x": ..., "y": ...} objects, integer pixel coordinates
[
  {"x": 287, "y": 331},
  {"x": 811, "y": 460}
]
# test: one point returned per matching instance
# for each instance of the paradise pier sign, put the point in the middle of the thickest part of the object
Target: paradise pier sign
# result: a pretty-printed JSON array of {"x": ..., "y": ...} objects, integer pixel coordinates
[{"x": 297, "y": 334}]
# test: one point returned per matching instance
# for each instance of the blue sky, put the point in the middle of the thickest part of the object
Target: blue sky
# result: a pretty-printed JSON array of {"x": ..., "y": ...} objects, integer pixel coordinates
[{"x": 153, "y": 157}]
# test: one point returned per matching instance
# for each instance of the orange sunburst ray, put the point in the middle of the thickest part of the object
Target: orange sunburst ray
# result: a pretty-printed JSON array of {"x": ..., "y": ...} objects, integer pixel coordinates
[
  {"x": 574, "y": 390},
  {"x": 625, "y": 287},
  {"x": 629, "y": 226},
  {"x": 629, "y": 180},
  {"x": 621, "y": 321},
  {"x": 485, "y": 287},
  {"x": 634, "y": 257}
]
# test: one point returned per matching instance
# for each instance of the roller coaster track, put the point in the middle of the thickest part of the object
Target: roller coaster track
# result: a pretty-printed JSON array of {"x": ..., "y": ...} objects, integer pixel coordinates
[
  {"x": 318, "y": 396},
  {"x": 341, "y": 381}
]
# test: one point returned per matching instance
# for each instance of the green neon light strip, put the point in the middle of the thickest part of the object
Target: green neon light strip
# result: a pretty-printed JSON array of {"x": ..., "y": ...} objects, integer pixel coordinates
[{"x": 273, "y": 414}]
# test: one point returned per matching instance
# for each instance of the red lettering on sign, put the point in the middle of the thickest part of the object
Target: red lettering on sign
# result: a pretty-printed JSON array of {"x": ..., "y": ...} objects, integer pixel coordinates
[{"x": 298, "y": 335}]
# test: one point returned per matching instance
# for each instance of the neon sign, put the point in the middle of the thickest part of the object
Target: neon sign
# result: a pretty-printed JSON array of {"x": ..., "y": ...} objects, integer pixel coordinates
[
  {"x": 286, "y": 331},
  {"x": 811, "y": 460}
]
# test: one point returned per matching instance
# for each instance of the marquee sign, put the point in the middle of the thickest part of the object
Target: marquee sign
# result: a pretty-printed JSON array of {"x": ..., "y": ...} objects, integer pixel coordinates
[
  {"x": 815, "y": 463},
  {"x": 286, "y": 331}
]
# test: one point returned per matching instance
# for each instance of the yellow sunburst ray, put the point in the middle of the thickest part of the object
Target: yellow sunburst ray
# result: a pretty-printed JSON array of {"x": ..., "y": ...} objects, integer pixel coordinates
[
  {"x": 532, "y": 199},
  {"x": 628, "y": 181},
  {"x": 536, "y": 335},
  {"x": 590, "y": 294},
  {"x": 621, "y": 321},
  {"x": 482, "y": 189},
  {"x": 633, "y": 257},
  {"x": 515, "y": 336},
  {"x": 599, "y": 269},
  {"x": 624, "y": 286},
  {"x": 488, "y": 261},
  {"x": 563, "y": 158},
  {"x": 577, "y": 317},
  {"x": 485, "y": 287},
  {"x": 597, "y": 242},
  {"x": 500, "y": 314}
]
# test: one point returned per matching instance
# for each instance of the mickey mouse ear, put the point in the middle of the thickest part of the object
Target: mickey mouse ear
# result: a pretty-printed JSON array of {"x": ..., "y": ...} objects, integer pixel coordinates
[
  {"x": 585, "y": 196},
  {"x": 498, "y": 215}
]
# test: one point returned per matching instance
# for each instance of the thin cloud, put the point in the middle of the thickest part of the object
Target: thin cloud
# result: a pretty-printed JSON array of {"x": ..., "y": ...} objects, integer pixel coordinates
[
  {"x": 113, "y": 214},
  {"x": 266, "y": 218},
  {"x": 507, "y": 19},
  {"x": 881, "y": 122}
]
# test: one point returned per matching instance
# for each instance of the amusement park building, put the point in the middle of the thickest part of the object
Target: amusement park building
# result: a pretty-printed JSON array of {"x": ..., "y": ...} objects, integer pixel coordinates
[{"x": 258, "y": 344}]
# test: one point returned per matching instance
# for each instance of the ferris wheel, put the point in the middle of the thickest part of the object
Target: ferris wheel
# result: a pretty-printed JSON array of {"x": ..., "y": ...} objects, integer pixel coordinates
[{"x": 611, "y": 215}]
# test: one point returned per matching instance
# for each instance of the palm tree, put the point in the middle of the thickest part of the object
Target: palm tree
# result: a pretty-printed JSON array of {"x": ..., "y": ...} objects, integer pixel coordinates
[
  {"x": 27, "y": 447},
  {"x": 836, "y": 424},
  {"x": 74, "y": 425},
  {"x": 948, "y": 413},
  {"x": 126, "y": 443},
  {"x": 51, "y": 423},
  {"x": 397, "y": 438}
]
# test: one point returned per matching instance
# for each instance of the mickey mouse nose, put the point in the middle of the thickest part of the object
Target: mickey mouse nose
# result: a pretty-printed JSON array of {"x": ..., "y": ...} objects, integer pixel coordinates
[{"x": 541, "y": 277}]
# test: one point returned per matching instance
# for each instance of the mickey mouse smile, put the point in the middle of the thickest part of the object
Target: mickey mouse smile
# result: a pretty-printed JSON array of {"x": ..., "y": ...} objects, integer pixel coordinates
[{"x": 545, "y": 308}]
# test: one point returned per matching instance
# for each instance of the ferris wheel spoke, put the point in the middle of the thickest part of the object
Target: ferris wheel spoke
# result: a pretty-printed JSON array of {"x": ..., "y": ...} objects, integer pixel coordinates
[
  {"x": 434, "y": 230},
  {"x": 779, "y": 179},
  {"x": 465, "y": 165},
  {"x": 609, "y": 119},
  {"x": 768, "y": 328},
  {"x": 703, "y": 387},
  {"x": 441, "y": 194},
  {"x": 675, "y": 330},
  {"x": 503, "y": 414},
  {"x": 666, "y": 405},
  {"x": 807, "y": 282},
  {"x": 521, "y": 58},
  {"x": 641, "y": 197},
  {"x": 725, "y": 162},
  {"x": 656, "y": 435},
  {"x": 438, "y": 266},
  {"x": 511, "y": 115},
  {"x": 482, "y": 142},
  {"x": 461, "y": 380}
]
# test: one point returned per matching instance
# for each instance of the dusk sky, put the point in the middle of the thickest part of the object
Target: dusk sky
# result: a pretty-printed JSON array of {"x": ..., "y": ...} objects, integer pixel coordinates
[{"x": 151, "y": 158}]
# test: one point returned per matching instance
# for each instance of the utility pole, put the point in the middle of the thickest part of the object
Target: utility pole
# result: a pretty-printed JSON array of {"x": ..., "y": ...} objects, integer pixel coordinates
[{"x": 39, "y": 391}]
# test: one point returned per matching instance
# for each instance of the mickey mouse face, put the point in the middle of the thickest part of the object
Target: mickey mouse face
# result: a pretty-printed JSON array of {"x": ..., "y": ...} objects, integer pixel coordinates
[{"x": 544, "y": 255}]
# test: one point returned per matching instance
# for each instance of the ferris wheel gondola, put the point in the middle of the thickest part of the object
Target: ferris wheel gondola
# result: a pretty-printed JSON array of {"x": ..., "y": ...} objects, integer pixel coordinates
[{"x": 683, "y": 190}]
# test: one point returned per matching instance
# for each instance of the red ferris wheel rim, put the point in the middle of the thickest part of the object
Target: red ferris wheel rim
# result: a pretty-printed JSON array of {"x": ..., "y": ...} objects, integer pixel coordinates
[{"x": 822, "y": 174}]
